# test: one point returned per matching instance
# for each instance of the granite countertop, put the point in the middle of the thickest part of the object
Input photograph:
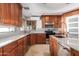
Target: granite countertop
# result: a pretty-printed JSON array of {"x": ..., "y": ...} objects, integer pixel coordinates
[
  {"x": 68, "y": 42},
  {"x": 6, "y": 40}
]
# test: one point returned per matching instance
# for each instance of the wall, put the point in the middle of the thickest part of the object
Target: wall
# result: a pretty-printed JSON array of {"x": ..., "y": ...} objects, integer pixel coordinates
[{"x": 38, "y": 24}]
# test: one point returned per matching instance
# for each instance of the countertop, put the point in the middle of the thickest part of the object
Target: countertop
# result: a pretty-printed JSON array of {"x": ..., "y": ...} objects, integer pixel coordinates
[
  {"x": 6, "y": 40},
  {"x": 68, "y": 42}
]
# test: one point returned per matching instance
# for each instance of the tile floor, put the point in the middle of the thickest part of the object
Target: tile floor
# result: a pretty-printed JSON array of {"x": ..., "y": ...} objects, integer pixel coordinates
[{"x": 43, "y": 50}]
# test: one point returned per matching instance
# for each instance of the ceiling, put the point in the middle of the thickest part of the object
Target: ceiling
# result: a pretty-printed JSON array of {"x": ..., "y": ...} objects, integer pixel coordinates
[{"x": 38, "y": 9}]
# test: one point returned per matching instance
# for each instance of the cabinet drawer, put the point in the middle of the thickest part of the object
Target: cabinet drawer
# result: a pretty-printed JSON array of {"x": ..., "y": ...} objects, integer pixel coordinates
[
  {"x": 9, "y": 47},
  {"x": 0, "y": 51}
]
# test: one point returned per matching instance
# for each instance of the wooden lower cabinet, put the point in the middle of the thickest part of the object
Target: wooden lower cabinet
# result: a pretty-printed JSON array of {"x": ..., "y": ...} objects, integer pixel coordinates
[
  {"x": 17, "y": 48},
  {"x": 21, "y": 47},
  {"x": 13, "y": 52},
  {"x": 20, "y": 51},
  {"x": 41, "y": 38},
  {"x": 37, "y": 38},
  {"x": 28, "y": 40},
  {"x": 74, "y": 52},
  {"x": 33, "y": 39},
  {"x": 0, "y": 51},
  {"x": 25, "y": 45},
  {"x": 9, "y": 49},
  {"x": 53, "y": 46}
]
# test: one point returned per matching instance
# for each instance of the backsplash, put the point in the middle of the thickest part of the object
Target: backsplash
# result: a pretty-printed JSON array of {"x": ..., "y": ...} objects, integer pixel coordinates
[{"x": 8, "y": 34}]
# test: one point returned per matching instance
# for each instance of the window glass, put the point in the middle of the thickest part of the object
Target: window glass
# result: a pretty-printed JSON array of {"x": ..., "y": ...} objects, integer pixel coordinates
[{"x": 73, "y": 26}]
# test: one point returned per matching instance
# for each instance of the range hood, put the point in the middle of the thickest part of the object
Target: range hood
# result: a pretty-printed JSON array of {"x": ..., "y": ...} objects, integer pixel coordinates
[{"x": 48, "y": 25}]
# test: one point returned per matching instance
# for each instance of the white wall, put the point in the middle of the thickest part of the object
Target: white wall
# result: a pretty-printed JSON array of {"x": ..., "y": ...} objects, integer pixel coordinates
[{"x": 38, "y": 24}]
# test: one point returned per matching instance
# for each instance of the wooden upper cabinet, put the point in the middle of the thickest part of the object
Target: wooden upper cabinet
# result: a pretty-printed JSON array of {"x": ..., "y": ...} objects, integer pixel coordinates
[
  {"x": 5, "y": 13},
  {"x": 10, "y": 14},
  {"x": 53, "y": 19},
  {"x": 2, "y": 15},
  {"x": 0, "y": 12},
  {"x": 20, "y": 17},
  {"x": 13, "y": 14},
  {"x": 47, "y": 19}
]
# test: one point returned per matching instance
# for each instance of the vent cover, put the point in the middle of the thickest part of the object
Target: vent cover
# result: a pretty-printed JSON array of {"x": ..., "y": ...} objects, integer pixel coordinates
[{"x": 26, "y": 8}]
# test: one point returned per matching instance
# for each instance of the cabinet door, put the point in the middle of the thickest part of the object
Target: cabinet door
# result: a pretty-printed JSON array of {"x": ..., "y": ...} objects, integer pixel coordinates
[
  {"x": 28, "y": 40},
  {"x": 13, "y": 52},
  {"x": 3, "y": 13},
  {"x": 53, "y": 46},
  {"x": 20, "y": 47},
  {"x": 19, "y": 15},
  {"x": 47, "y": 20},
  {"x": 20, "y": 51},
  {"x": 41, "y": 38},
  {"x": 0, "y": 51},
  {"x": 13, "y": 14},
  {"x": 25, "y": 45},
  {"x": 43, "y": 22},
  {"x": 9, "y": 14},
  {"x": 8, "y": 48},
  {"x": 16, "y": 13},
  {"x": 0, "y": 12},
  {"x": 33, "y": 39},
  {"x": 6, "y": 13},
  {"x": 59, "y": 21}
]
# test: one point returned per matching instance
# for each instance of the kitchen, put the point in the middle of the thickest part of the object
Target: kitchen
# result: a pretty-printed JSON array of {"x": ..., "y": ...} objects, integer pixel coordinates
[{"x": 39, "y": 29}]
